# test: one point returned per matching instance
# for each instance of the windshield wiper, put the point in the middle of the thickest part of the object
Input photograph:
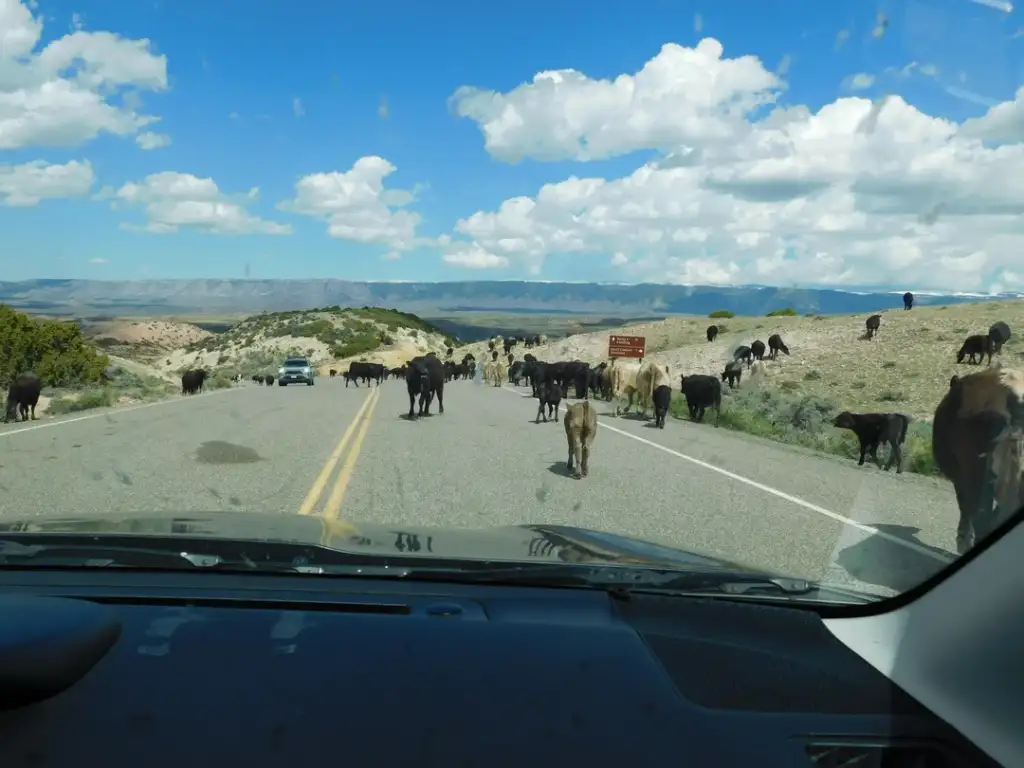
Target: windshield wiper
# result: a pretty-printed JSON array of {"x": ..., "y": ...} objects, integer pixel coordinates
[
  {"x": 94, "y": 555},
  {"x": 280, "y": 558},
  {"x": 621, "y": 579}
]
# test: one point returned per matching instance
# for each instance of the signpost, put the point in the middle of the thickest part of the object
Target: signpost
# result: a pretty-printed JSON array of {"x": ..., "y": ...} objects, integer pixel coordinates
[{"x": 627, "y": 346}]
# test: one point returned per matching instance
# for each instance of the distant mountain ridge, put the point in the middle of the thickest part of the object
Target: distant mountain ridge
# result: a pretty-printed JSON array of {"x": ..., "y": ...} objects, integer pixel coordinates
[{"x": 154, "y": 297}]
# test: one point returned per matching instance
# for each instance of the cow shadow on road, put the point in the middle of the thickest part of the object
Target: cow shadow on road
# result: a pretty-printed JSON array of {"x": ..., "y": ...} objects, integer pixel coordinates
[
  {"x": 885, "y": 563},
  {"x": 561, "y": 468},
  {"x": 404, "y": 416}
]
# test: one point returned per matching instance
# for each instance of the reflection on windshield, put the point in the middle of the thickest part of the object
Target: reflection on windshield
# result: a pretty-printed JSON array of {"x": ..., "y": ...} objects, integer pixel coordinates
[{"x": 706, "y": 293}]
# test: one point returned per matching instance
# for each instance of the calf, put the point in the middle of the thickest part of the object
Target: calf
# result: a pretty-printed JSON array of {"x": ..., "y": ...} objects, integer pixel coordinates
[
  {"x": 712, "y": 332},
  {"x": 978, "y": 346},
  {"x": 424, "y": 376},
  {"x": 1000, "y": 334},
  {"x": 580, "y": 428},
  {"x": 192, "y": 381},
  {"x": 702, "y": 392},
  {"x": 874, "y": 429},
  {"x": 662, "y": 399},
  {"x": 757, "y": 350},
  {"x": 23, "y": 397},
  {"x": 743, "y": 353},
  {"x": 872, "y": 324},
  {"x": 776, "y": 345},
  {"x": 908, "y": 300},
  {"x": 733, "y": 373},
  {"x": 549, "y": 394}
]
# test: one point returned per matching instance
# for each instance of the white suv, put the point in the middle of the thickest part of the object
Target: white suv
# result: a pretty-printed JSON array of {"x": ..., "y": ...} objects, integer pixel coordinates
[{"x": 295, "y": 370}]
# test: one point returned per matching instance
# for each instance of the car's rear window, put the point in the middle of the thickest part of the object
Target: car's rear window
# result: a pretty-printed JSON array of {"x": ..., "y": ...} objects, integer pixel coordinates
[{"x": 296, "y": 362}]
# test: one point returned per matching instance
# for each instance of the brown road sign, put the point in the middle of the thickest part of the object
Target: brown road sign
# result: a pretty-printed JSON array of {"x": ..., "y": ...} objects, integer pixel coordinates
[{"x": 626, "y": 346}]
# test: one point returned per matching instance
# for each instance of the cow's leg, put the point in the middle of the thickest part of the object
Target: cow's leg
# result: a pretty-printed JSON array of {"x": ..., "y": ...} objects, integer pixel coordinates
[{"x": 965, "y": 527}]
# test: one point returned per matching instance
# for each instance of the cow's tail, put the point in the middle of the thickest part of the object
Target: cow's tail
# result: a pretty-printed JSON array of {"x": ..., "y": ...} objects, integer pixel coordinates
[{"x": 903, "y": 431}]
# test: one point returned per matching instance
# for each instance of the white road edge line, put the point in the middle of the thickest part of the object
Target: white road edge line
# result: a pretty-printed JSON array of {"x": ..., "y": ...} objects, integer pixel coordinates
[
  {"x": 114, "y": 410},
  {"x": 774, "y": 492}
]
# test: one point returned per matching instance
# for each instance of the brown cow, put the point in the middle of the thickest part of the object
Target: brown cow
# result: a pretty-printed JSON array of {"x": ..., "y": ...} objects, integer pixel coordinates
[
  {"x": 978, "y": 443},
  {"x": 580, "y": 427}
]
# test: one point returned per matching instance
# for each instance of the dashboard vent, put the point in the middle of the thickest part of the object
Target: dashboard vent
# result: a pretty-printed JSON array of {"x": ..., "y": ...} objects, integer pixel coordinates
[{"x": 851, "y": 755}]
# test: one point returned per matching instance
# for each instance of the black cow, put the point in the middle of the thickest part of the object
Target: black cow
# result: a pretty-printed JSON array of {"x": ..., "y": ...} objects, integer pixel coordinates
[
  {"x": 1000, "y": 334},
  {"x": 743, "y": 353},
  {"x": 366, "y": 372},
  {"x": 424, "y": 376},
  {"x": 874, "y": 429},
  {"x": 23, "y": 397},
  {"x": 712, "y": 332},
  {"x": 333, "y": 372},
  {"x": 872, "y": 324},
  {"x": 775, "y": 345},
  {"x": 757, "y": 350},
  {"x": 702, "y": 392},
  {"x": 257, "y": 379},
  {"x": 535, "y": 371},
  {"x": 269, "y": 379},
  {"x": 549, "y": 394},
  {"x": 976, "y": 346},
  {"x": 516, "y": 373},
  {"x": 192, "y": 381},
  {"x": 733, "y": 373},
  {"x": 662, "y": 400},
  {"x": 908, "y": 300}
]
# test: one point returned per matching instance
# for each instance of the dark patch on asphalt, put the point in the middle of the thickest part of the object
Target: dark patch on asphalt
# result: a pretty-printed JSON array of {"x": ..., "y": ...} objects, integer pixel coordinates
[{"x": 221, "y": 452}]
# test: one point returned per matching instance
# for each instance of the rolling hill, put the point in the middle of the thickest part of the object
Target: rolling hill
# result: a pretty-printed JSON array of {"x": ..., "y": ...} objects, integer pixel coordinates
[{"x": 171, "y": 297}]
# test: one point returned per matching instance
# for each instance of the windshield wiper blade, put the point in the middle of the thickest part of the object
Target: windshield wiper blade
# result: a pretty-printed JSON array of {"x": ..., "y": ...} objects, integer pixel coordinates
[
  {"x": 14, "y": 553},
  {"x": 620, "y": 579}
]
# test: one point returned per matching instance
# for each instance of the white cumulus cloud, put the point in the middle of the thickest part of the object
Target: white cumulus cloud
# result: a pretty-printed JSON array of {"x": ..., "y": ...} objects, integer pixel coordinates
[
  {"x": 746, "y": 188},
  {"x": 860, "y": 81},
  {"x": 356, "y": 206},
  {"x": 174, "y": 200},
  {"x": 148, "y": 140},
  {"x": 65, "y": 93},
  {"x": 28, "y": 184}
]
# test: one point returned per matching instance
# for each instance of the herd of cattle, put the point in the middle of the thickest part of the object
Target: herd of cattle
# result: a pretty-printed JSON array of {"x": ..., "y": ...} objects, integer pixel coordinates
[{"x": 977, "y": 431}]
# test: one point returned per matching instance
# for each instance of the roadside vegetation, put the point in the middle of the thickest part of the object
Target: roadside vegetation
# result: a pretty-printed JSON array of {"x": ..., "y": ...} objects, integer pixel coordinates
[{"x": 75, "y": 374}]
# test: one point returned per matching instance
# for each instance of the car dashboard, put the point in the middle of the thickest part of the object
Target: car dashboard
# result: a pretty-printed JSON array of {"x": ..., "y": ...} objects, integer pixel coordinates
[{"x": 270, "y": 670}]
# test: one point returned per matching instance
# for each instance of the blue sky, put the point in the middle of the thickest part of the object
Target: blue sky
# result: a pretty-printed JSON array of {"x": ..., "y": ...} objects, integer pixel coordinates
[{"x": 260, "y": 95}]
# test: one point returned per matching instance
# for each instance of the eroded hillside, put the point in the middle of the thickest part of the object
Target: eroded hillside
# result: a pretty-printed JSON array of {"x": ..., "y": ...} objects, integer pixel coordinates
[
  {"x": 906, "y": 368},
  {"x": 330, "y": 337}
]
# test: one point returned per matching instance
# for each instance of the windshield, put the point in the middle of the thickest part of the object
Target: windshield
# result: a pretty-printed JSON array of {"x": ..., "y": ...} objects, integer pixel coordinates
[{"x": 660, "y": 286}]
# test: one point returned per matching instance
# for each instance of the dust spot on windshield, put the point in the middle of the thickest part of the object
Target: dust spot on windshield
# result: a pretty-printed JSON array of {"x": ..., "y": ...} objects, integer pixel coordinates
[{"x": 221, "y": 452}]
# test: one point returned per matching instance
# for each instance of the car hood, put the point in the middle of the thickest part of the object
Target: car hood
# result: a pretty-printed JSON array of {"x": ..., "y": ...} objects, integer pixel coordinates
[
  {"x": 533, "y": 543},
  {"x": 512, "y": 544}
]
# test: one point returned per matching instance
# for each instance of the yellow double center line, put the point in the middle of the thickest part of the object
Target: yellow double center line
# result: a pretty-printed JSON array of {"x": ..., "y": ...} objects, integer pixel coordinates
[{"x": 332, "y": 507}]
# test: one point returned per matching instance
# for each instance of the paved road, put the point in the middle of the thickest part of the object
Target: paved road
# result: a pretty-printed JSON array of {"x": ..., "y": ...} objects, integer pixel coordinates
[{"x": 348, "y": 453}]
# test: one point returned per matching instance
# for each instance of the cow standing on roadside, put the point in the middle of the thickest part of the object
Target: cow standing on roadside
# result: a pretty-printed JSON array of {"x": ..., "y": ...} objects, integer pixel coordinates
[{"x": 23, "y": 397}]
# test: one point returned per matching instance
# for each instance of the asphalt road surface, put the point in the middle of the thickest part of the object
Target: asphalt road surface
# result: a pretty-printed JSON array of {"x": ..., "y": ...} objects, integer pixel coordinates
[{"x": 350, "y": 454}]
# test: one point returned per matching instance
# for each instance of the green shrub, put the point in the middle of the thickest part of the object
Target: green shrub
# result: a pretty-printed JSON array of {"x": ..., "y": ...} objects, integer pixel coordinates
[
  {"x": 52, "y": 349},
  {"x": 82, "y": 401},
  {"x": 787, "y": 312},
  {"x": 725, "y": 314}
]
